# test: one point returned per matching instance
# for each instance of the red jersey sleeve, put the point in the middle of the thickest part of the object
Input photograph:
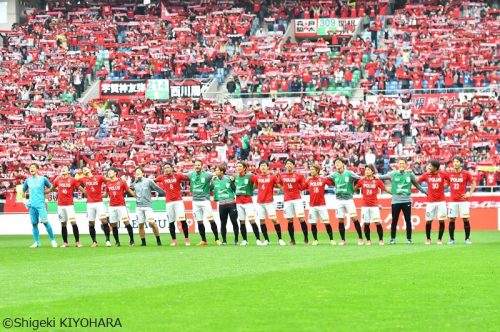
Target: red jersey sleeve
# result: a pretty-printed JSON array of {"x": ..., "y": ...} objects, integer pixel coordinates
[
  {"x": 75, "y": 183},
  {"x": 329, "y": 182},
  {"x": 359, "y": 184},
  {"x": 125, "y": 186},
  {"x": 380, "y": 184}
]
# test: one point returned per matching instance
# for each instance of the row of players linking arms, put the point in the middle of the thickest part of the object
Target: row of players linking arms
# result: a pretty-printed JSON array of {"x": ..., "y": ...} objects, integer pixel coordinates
[{"x": 234, "y": 196}]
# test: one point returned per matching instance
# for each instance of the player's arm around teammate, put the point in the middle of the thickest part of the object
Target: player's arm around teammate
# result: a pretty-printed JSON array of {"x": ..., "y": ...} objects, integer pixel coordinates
[
  {"x": 224, "y": 190},
  {"x": 199, "y": 184},
  {"x": 344, "y": 191},
  {"x": 143, "y": 188},
  {"x": 436, "y": 203},
  {"x": 116, "y": 189},
  {"x": 95, "y": 206},
  {"x": 65, "y": 186},
  {"x": 244, "y": 202},
  {"x": 174, "y": 204},
  {"x": 266, "y": 182},
  {"x": 317, "y": 203},
  {"x": 292, "y": 183},
  {"x": 370, "y": 211},
  {"x": 459, "y": 204},
  {"x": 401, "y": 181}
]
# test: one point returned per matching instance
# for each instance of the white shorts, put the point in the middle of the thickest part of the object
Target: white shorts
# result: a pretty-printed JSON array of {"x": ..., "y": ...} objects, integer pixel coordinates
[
  {"x": 176, "y": 211},
  {"x": 263, "y": 208},
  {"x": 321, "y": 211},
  {"x": 202, "y": 209},
  {"x": 117, "y": 214},
  {"x": 435, "y": 210},
  {"x": 66, "y": 213},
  {"x": 370, "y": 214},
  {"x": 245, "y": 211},
  {"x": 345, "y": 207},
  {"x": 456, "y": 209},
  {"x": 294, "y": 208},
  {"x": 96, "y": 209},
  {"x": 144, "y": 214}
]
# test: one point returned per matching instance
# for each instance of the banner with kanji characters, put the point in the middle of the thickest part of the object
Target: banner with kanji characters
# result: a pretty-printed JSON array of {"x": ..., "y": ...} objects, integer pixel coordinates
[
  {"x": 185, "y": 89},
  {"x": 121, "y": 89},
  {"x": 422, "y": 101},
  {"x": 306, "y": 27}
]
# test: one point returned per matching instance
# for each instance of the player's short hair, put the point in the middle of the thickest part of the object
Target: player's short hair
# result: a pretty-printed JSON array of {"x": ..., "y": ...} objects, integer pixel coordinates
[
  {"x": 139, "y": 168},
  {"x": 370, "y": 166},
  {"x": 290, "y": 160},
  {"x": 264, "y": 162},
  {"x": 435, "y": 163},
  {"x": 169, "y": 164},
  {"x": 198, "y": 160},
  {"x": 242, "y": 163},
  {"x": 316, "y": 167},
  {"x": 403, "y": 159},
  {"x": 221, "y": 168},
  {"x": 339, "y": 159},
  {"x": 33, "y": 164},
  {"x": 460, "y": 159},
  {"x": 114, "y": 169}
]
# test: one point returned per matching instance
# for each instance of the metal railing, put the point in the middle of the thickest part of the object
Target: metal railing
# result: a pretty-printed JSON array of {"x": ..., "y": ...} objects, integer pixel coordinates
[{"x": 348, "y": 91}]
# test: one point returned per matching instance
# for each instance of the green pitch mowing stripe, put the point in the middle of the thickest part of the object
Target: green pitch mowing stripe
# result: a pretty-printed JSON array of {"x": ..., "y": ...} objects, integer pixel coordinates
[{"x": 352, "y": 288}]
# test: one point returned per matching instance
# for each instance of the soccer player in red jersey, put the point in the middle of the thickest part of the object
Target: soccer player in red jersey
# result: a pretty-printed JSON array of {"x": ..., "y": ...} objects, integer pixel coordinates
[
  {"x": 317, "y": 203},
  {"x": 460, "y": 205},
  {"x": 171, "y": 181},
  {"x": 116, "y": 189},
  {"x": 436, "y": 205},
  {"x": 292, "y": 183},
  {"x": 244, "y": 182},
  {"x": 65, "y": 185},
  {"x": 370, "y": 211},
  {"x": 265, "y": 202},
  {"x": 95, "y": 206}
]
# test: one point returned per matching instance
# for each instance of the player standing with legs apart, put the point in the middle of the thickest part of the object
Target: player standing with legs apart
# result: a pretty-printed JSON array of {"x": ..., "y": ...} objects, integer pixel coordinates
[
  {"x": 95, "y": 206},
  {"x": 401, "y": 182},
  {"x": 174, "y": 205},
  {"x": 460, "y": 205},
  {"x": 199, "y": 184},
  {"x": 344, "y": 191},
  {"x": 436, "y": 204},
  {"x": 265, "y": 202},
  {"x": 116, "y": 189},
  {"x": 65, "y": 185},
  {"x": 142, "y": 188},
  {"x": 292, "y": 183},
  {"x": 317, "y": 203},
  {"x": 370, "y": 211},
  {"x": 224, "y": 194},
  {"x": 36, "y": 186},
  {"x": 244, "y": 203}
]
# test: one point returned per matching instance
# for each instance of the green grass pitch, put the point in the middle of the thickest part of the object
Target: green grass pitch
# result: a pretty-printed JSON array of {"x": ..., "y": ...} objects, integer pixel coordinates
[{"x": 324, "y": 288}]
